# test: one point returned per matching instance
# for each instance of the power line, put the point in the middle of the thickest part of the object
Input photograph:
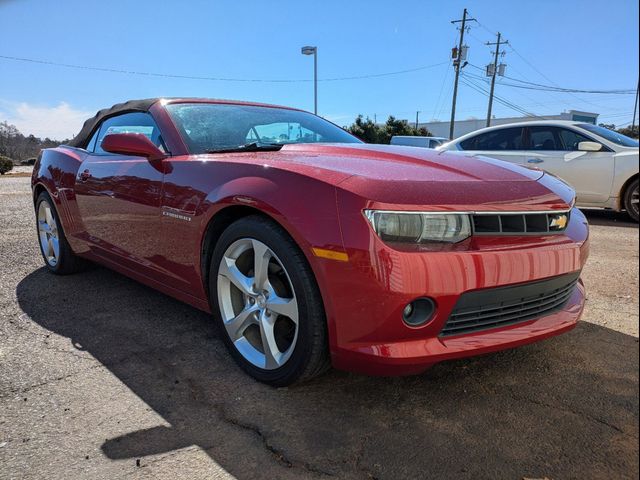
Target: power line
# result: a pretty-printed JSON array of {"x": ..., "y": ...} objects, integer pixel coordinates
[
  {"x": 549, "y": 88},
  {"x": 443, "y": 105},
  {"x": 539, "y": 86},
  {"x": 499, "y": 99},
  {"x": 444, "y": 79},
  {"x": 542, "y": 74},
  {"x": 216, "y": 79},
  {"x": 548, "y": 79},
  {"x": 622, "y": 125},
  {"x": 438, "y": 108},
  {"x": 617, "y": 115},
  {"x": 570, "y": 91},
  {"x": 614, "y": 114},
  {"x": 489, "y": 31}
]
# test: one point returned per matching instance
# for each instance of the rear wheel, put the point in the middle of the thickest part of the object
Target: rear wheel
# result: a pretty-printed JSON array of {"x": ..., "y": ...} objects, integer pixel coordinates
[
  {"x": 631, "y": 199},
  {"x": 267, "y": 303},
  {"x": 56, "y": 252}
]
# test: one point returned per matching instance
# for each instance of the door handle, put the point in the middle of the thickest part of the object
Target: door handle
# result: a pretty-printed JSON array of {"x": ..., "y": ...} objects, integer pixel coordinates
[
  {"x": 535, "y": 160},
  {"x": 85, "y": 175}
]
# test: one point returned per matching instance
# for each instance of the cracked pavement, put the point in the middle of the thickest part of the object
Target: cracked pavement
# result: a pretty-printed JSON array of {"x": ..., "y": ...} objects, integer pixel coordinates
[{"x": 103, "y": 378}]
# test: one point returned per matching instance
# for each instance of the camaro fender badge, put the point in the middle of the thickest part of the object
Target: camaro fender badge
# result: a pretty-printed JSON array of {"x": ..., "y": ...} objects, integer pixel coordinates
[
  {"x": 558, "y": 222},
  {"x": 177, "y": 214}
]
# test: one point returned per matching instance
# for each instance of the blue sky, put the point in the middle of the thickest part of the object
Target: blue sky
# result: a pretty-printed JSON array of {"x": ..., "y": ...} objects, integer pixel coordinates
[{"x": 578, "y": 44}]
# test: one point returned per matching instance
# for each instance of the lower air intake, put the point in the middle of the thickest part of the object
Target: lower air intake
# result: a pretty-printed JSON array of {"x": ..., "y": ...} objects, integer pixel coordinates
[{"x": 498, "y": 307}]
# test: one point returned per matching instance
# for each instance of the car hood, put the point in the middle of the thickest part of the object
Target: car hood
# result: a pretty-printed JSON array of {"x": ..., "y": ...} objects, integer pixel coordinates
[
  {"x": 399, "y": 175},
  {"x": 402, "y": 163}
]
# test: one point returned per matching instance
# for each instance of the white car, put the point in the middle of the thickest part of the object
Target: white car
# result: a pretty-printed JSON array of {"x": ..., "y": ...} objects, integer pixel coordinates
[
  {"x": 600, "y": 164},
  {"x": 416, "y": 141}
]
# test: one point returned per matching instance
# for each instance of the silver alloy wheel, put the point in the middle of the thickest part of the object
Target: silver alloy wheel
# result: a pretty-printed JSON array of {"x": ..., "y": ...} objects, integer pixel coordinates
[
  {"x": 48, "y": 233},
  {"x": 635, "y": 195},
  {"x": 257, "y": 303}
]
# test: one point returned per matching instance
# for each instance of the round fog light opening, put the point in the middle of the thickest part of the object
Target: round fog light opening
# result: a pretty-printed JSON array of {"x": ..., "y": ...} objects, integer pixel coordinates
[{"x": 418, "y": 312}]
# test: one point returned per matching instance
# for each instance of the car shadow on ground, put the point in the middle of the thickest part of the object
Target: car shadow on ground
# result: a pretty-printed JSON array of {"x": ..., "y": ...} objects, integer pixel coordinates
[
  {"x": 563, "y": 408},
  {"x": 609, "y": 218}
]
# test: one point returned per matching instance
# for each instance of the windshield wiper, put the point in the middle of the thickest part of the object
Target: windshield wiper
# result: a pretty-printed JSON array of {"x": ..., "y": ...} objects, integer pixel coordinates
[{"x": 249, "y": 147}]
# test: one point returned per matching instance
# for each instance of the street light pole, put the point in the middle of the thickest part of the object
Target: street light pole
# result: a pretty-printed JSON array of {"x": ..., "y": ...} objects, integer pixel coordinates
[
  {"x": 315, "y": 81},
  {"x": 313, "y": 51}
]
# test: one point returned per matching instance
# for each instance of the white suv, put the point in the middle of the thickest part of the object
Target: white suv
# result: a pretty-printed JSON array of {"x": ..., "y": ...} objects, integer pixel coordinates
[{"x": 600, "y": 164}]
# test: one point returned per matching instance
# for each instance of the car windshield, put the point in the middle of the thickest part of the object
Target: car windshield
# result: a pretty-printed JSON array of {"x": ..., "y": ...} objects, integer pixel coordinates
[
  {"x": 610, "y": 135},
  {"x": 211, "y": 127}
]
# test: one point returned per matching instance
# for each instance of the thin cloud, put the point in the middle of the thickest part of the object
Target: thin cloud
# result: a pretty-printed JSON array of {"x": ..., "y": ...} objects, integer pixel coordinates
[{"x": 58, "y": 122}]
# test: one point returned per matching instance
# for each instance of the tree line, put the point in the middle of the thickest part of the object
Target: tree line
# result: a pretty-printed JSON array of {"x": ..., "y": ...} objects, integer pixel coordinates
[
  {"x": 370, "y": 132},
  {"x": 20, "y": 148}
]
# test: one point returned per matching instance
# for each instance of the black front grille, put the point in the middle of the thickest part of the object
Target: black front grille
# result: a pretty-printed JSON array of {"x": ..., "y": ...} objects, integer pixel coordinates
[
  {"x": 520, "y": 223},
  {"x": 498, "y": 307}
]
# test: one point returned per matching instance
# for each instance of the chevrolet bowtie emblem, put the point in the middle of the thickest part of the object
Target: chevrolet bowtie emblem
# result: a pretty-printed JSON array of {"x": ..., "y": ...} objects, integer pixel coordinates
[{"x": 558, "y": 222}]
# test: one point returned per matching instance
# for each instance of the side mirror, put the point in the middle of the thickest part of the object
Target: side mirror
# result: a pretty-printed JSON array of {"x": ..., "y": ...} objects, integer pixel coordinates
[
  {"x": 589, "y": 146},
  {"x": 135, "y": 144}
]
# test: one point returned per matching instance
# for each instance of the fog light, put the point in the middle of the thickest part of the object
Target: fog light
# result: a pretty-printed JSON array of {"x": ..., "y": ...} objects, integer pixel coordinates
[{"x": 419, "y": 312}]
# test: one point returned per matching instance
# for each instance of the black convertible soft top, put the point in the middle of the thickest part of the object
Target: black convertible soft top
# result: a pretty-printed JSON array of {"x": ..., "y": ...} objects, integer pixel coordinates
[{"x": 82, "y": 139}]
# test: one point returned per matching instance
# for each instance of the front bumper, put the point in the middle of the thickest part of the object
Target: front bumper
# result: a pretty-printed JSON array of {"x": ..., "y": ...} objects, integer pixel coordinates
[
  {"x": 415, "y": 356},
  {"x": 364, "y": 297}
]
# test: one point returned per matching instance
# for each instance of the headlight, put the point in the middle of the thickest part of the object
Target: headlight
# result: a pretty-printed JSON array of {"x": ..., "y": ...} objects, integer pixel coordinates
[{"x": 417, "y": 227}]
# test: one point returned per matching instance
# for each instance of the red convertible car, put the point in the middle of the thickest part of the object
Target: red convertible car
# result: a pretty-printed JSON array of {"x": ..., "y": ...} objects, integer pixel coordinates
[{"x": 309, "y": 247}]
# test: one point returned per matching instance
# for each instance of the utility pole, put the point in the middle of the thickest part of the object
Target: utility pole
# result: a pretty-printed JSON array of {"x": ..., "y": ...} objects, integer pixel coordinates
[
  {"x": 417, "y": 116},
  {"x": 493, "y": 76},
  {"x": 635, "y": 108},
  {"x": 457, "y": 65}
]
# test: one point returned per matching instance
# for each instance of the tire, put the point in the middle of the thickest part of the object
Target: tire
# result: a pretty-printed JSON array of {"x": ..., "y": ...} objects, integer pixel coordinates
[
  {"x": 56, "y": 252},
  {"x": 631, "y": 200},
  {"x": 276, "y": 318}
]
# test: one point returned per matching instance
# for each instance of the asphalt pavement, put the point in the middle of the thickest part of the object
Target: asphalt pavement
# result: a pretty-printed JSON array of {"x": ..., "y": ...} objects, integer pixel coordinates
[{"x": 103, "y": 378}]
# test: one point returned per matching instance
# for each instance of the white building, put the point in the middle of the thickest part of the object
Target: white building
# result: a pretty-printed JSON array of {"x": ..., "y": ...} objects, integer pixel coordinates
[{"x": 462, "y": 127}]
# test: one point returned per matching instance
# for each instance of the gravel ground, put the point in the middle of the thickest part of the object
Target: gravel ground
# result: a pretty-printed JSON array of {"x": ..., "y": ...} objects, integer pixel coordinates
[{"x": 103, "y": 378}]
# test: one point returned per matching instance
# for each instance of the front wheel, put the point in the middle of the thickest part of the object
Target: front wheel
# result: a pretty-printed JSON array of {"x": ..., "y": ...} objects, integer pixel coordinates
[
  {"x": 631, "y": 200},
  {"x": 267, "y": 303}
]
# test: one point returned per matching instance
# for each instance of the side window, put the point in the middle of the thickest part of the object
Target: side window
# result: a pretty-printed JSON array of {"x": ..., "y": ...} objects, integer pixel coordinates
[
  {"x": 135, "y": 122},
  {"x": 469, "y": 143},
  {"x": 92, "y": 143},
  {"x": 544, "y": 138},
  {"x": 502, "y": 139},
  {"x": 571, "y": 139}
]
